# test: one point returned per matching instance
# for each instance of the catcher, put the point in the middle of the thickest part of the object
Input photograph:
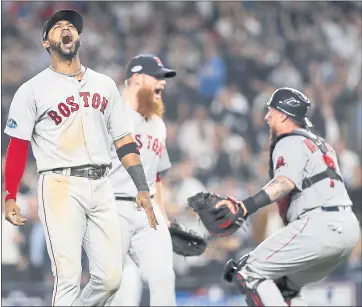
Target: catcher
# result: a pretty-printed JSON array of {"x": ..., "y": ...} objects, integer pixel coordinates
[
  {"x": 149, "y": 249},
  {"x": 321, "y": 229}
]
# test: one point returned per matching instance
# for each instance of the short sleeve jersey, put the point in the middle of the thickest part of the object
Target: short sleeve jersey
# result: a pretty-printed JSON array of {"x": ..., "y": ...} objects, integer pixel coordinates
[
  {"x": 150, "y": 136},
  {"x": 297, "y": 158},
  {"x": 68, "y": 122}
]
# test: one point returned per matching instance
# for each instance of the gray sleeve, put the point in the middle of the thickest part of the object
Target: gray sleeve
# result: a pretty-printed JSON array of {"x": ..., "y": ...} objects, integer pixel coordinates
[
  {"x": 290, "y": 159},
  {"x": 118, "y": 119},
  {"x": 22, "y": 114},
  {"x": 164, "y": 163}
]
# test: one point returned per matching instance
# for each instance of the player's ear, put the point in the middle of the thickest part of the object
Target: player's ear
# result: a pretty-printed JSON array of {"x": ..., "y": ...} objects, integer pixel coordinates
[
  {"x": 283, "y": 117},
  {"x": 136, "y": 79},
  {"x": 46, "y": 44}
]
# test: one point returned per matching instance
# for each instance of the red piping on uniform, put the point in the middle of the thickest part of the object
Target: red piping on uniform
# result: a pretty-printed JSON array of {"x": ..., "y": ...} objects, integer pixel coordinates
[
  {"x": 15, "y": 163},
  {"x": 289, "y": 240},
  {"x": 257, "y": 300}
]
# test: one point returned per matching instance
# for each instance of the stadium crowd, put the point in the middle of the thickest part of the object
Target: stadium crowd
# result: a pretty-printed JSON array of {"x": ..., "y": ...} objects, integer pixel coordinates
[{"x": 229, "y": 57}]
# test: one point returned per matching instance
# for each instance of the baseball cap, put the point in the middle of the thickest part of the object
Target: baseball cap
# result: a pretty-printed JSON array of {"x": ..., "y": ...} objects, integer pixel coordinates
[
  {"x": 71, "y": 16},
  {"x": 148, "y": 64}
]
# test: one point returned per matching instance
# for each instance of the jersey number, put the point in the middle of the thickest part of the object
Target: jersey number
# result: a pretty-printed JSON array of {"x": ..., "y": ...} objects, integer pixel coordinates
[{"x": 65, "y": 109}]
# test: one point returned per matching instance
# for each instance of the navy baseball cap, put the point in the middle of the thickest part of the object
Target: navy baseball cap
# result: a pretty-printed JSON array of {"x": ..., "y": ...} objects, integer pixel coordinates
[
  {"x": 148, "y": 64},
  {"x": 71, "y": 16}
]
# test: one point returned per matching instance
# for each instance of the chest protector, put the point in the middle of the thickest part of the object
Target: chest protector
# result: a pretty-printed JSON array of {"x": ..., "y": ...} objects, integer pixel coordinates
[{"x": 329, "y": 172}]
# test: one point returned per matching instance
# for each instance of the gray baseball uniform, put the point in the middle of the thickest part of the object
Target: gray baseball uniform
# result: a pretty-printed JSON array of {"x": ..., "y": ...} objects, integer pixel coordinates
[
  {"x": 150, "y": 249},
  {"x": 321, "y": 231},
  {"x": 68, "y": 123}
]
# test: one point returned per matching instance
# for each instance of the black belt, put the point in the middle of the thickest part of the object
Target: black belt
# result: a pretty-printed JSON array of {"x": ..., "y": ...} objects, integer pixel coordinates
[
  {"x": 330, "y": 209},
  {"x": 90, "y": 172},
  {"x": 335, "y": 208},
  {"x": 128, "y": 198}
]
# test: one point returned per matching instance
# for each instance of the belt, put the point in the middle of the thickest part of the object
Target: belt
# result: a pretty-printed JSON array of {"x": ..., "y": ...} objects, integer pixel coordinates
[
  {"x": 336, "y": 208},
  {"x": 128, "y": 198},
  {"x": 90, "y": 172},
  {"x": 331, "y": 209}
]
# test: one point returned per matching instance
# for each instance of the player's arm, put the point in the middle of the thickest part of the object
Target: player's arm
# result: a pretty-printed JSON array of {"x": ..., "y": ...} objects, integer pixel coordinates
[
  {"x": 287, "y": 176},
  {"x": 15, "y": 162},
  {"x": 126, "y": 148},
  {"x": 273, "y": 191},
  {"x": 159, "y": 198},
  {"x": 20, "y": 125},
  {"x": 128, "y": 154},
  {"x": 163, "y": 165}
]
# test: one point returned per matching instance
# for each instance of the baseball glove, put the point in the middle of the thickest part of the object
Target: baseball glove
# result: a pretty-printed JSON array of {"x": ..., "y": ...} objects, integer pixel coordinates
[
  {"x": 186, "y": 242},
  {"x": 220, "y": 222}
]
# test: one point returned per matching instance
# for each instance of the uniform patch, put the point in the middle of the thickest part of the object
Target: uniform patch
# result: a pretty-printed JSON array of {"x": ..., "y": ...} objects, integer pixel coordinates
[
  {"x": 280, "y": 162},
  {"x": 11, "y": 123}
]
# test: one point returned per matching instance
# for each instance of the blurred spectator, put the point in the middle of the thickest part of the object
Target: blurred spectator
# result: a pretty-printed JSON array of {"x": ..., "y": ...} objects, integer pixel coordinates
[
  {"x": 12, "y": 259},
  {"x": 348, "y": 160},
  {"x": 196, "y": 134},
  {"x": 355, "y": 191},
  {"x": 212, "y": 72}
]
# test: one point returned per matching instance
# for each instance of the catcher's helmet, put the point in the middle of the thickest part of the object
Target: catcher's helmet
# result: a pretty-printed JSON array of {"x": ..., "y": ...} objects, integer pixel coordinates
[{"x": 293, "y": 103}]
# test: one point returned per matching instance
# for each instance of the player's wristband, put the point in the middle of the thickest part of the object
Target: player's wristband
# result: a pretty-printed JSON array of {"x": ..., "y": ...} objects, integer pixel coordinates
[
  {"x": 127, "y": 149},
  {"x": 137, "y": 174},
  {"x": 254, "y": 203}
]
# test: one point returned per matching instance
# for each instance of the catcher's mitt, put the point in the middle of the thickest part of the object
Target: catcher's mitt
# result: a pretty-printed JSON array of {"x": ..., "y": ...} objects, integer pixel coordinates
[
  {"x": 186, "y": 242},
  {"x": 218, "y": 221}
]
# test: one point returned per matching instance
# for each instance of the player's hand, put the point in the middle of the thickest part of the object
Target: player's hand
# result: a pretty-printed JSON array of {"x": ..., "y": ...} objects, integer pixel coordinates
[
  {"x": 12, "y": 213},
  {"x": 233, "y": 205},
  {"x": 143, "y": 200}
]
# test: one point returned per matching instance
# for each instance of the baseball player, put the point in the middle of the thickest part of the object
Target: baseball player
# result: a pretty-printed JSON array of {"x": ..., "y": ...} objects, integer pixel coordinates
[
  {"x": 151, "y": 250},
  {"x": 67, "y": 112},
  {"x": 321, "y": 229}
]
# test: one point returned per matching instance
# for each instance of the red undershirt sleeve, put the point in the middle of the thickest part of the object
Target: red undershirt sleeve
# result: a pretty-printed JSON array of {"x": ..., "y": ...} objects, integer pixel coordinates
[
  {"x": 15, "y": 162},
  {"x": 158, "y": 177}
]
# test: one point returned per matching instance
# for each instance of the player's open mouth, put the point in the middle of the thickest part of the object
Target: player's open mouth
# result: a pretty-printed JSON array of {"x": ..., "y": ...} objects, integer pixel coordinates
[
  {"x": 158, "y": 93},
  {"x": 67, "y": 39}
]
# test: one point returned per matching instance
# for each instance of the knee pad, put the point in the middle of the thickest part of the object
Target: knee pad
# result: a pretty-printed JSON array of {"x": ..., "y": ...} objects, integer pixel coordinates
[
  {"x": 288, "y": 294},
  {"x": 252, "y": 297},
  {"x": 232, "y": 273},
  {"x": 231, "y": 267}
]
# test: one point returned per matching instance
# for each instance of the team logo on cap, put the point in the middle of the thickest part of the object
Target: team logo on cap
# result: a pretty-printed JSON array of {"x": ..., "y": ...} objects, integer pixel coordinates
[
  {"x": 291, "y": 102},
  {"x": 136, "y": 68},
  {"x": 159, "y": 63}
]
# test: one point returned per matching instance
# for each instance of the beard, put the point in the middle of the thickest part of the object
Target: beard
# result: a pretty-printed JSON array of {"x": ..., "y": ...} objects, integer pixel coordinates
[
  {"x": 56, "y": 47},
  {"x": 147, "y": 104},
  {"x": 272, "y": 134}
]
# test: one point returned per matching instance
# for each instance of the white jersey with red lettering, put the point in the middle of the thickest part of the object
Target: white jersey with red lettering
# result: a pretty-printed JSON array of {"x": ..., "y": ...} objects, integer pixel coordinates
[
  {"x": 68, "y": 123},
  {"x": 151, "y": 250},
  {"x": 150, "y": 136}
]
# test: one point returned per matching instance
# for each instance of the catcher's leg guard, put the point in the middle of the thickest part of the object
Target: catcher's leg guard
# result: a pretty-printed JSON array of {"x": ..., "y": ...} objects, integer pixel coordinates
[
  {"x": 231, "y": 267},
  {"x": 252, "y": 297},
  {"x": 231, "y": 274},
  {"x": 258, "y": 291},
  {"x": 229, "y": 270},
  {"x": 291, "y": 297}
]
